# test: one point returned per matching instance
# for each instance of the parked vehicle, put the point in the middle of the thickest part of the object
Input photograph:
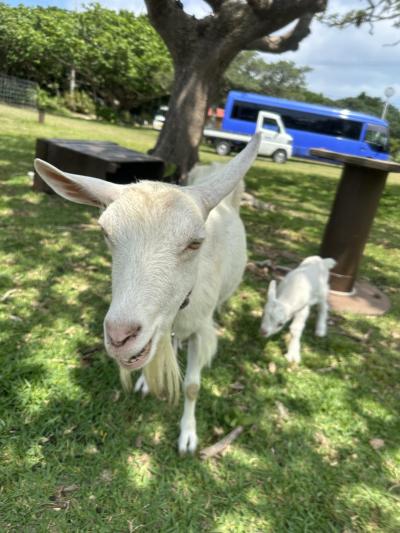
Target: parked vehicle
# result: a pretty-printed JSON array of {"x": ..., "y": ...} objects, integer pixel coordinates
[
  {"x": 275, "y": 143},
  {"x": 159, "y": 117},
  {"x": 310, "y": 125}
]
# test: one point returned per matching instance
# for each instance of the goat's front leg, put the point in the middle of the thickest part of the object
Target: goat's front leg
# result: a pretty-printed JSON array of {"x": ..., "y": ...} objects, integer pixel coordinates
[
  {"x": 322, "y": 319},
  {"x": 296, "y": 329},
  {"x": 201, "y": 348}
]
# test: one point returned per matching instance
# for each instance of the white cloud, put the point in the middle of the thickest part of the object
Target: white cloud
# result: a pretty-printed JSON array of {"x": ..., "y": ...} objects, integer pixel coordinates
[{"x": 346, "y": 62}]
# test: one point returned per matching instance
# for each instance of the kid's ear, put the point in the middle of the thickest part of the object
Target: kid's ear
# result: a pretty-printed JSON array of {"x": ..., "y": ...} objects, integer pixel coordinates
[
  {"x": 272, "y": 290},
  {"x": 76, "y": 188}
]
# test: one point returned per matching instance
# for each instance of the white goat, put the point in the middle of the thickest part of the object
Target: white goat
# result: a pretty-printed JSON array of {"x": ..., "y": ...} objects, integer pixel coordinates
[
  {"x": 306, "y": 285},
  {"x": 177, "y": 254}
]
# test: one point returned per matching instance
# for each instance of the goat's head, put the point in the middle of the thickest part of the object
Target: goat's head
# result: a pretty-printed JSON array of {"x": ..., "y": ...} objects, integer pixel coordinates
[
  {"x": 275, "y": 313},
  {"x": 155, "y": 233}
]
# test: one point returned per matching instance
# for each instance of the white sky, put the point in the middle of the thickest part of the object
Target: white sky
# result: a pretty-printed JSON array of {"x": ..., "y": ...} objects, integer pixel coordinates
[{"x": 344, "y": 62}]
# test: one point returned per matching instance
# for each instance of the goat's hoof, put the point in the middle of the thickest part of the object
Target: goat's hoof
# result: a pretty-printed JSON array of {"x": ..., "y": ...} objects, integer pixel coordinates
[
  {"x": 187, "y": 441},
  {"x": 320, "y": 332},
  {"x": 141, "y": 385}
]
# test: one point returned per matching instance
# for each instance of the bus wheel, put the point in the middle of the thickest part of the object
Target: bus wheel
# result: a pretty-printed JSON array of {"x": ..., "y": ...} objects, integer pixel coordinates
[
  {"x": 279, "y": 156},
  {"x": 223, "y": 148}
]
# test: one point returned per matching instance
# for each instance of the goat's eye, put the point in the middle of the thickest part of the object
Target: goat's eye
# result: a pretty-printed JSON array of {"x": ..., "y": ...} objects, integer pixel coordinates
[{"x": 194, "y": 245}]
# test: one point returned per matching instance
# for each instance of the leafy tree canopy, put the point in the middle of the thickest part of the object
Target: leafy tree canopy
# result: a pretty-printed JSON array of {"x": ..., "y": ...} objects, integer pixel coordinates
[
  {"x": 249, "y": 72},
  {"x": 116, "y": 56}
]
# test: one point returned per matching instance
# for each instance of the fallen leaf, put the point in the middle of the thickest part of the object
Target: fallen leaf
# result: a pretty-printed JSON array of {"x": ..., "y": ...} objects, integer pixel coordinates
[
  {"x": 321, "y": 439},
  {"x": 220, "y": 447},
  {"x": 116, "y": 395},
  {"x": 218, "y": 431},
  {"x": 106, "y": 476},
  {"x": 282, "y": 411},
  {"x": 272, "y": 367},
  {"x": 91, "y": 449},
  {"x": 377, "y": 444},
  {"x": 157, "y": 437},
  {"x": 237, "y": 386},
  {"x": 59, "y": 506},
  {"x": 70, "y": 488},
  {"x": 7, "y": 295}
]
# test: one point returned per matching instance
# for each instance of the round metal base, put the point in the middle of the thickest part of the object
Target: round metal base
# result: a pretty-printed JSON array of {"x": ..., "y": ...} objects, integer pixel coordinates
[{"x": 365, "y": 300}]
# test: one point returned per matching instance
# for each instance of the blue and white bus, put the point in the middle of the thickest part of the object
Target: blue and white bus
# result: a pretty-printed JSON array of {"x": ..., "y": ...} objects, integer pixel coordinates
[{"x": 311, "y": 126}]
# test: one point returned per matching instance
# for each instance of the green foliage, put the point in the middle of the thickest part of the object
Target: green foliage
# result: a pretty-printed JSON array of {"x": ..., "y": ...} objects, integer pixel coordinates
[
  {"x": 79, "y": 102},
  {"x": 374, "y": 106},
  {"x": 118, "y": 57},
  {"x": 368, "y": 13},
  {"x": 47, "y": 102},
  {"x": 77, "y": 454},
  {"x": 249, "y": 72},
  {"x": 395, "y": 149}
]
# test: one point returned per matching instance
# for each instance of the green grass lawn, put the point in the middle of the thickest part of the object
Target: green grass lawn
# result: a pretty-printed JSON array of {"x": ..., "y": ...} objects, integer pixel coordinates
[{"x": 79, "y": 455}]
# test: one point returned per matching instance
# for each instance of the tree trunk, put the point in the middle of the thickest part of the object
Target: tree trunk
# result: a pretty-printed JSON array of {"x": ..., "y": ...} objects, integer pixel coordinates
[
  {"x": 201, "y": 50},
  {"x": 72, "y": 81},
  {"x": 179, "y": 140}
]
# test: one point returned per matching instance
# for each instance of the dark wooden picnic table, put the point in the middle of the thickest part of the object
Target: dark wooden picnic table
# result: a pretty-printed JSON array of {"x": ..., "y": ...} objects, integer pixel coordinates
[
  {"x": 346, "y": 233},
  {"x": 100, "y": 159}
]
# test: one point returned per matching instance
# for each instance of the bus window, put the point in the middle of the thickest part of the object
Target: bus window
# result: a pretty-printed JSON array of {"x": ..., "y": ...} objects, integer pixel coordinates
[
  {"x": 301, "y": 120},
  {"x": 246, "y": 111},
  {"x": 377, "y": 137}
]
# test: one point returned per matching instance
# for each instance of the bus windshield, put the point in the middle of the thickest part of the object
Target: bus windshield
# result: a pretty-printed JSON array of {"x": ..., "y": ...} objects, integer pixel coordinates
[{"x": 377, "y": 137}]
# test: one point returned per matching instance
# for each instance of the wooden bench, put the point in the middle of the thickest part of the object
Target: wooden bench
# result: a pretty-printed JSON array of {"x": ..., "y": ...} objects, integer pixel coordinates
[{"x": 100, "y": 159}]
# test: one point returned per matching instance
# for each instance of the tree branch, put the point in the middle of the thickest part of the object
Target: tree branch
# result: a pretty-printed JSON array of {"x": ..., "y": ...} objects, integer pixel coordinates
[
  {"x": 375, "y": 11},
  {"x": 276, "y": 44},
  {"x": 266, "y": 7},
  {"x": 215, "y": 4},
  {"x": 175, "y": 26}
]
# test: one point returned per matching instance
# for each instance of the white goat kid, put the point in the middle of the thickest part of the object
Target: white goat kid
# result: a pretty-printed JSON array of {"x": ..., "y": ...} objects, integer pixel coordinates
[
  {"x": 177, "y": 254},
  {"x": 306, "y": 285}
]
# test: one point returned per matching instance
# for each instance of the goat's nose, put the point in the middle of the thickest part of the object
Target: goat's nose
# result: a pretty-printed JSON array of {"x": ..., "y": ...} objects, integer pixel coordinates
[
  {"x": 120, "y": 334},
  {"x": 263, "y": 332}
]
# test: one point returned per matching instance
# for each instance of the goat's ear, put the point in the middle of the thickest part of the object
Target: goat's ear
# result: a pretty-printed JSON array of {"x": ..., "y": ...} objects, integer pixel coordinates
[
  {"x": 76, "y": 188},
  {"x": 272, "y": 290},
  {"x": 224, "y": 179}
]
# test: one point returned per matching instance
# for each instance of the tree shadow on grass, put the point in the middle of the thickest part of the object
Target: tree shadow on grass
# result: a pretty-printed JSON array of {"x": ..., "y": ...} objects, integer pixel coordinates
[
  {"x": 280, "y": 475},
  {"x": 309, "y": 469}
]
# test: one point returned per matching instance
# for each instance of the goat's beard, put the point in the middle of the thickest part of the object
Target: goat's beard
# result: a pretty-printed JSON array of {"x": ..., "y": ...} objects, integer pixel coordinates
[{"x": 162, "y": 373}]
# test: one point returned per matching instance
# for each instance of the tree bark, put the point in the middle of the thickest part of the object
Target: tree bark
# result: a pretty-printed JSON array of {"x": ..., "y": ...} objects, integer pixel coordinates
[
  {"x": 201, "y": 51},
  {"x": 181, "y": 135}
]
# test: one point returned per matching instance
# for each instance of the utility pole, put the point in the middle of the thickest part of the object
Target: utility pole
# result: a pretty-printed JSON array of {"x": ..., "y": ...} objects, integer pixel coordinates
[{"x": 389, "y": 92}]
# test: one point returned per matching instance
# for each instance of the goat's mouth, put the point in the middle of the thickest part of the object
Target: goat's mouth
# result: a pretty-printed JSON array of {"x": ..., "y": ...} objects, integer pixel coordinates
[{"x": 137, "y": 360}]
